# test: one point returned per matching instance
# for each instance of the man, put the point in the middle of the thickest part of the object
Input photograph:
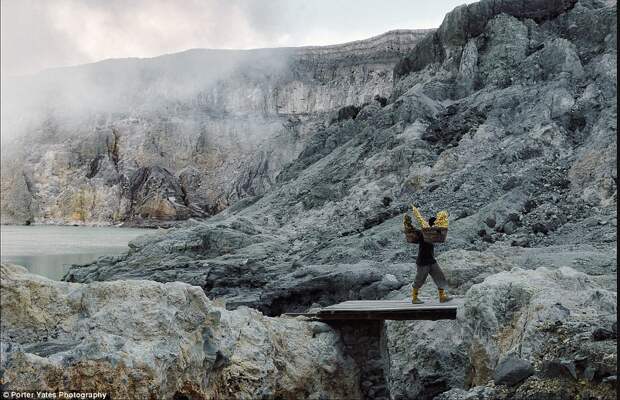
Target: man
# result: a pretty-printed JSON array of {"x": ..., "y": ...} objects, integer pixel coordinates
[{"x": 426, "y": 263}]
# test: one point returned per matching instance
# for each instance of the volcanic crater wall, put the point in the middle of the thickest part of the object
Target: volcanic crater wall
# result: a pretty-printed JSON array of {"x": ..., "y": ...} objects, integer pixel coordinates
[{"x": 214, "y": 126}]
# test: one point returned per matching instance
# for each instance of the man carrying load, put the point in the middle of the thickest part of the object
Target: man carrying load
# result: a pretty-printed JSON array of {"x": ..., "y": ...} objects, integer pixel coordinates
[{"x": 426, "y": 263}]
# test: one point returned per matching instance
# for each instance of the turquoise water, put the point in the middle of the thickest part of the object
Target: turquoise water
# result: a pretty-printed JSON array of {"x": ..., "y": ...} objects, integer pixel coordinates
[{"x": 49, "y": 250}]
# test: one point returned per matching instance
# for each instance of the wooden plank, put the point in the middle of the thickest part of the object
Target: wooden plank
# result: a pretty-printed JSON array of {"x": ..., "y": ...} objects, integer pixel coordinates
[
  {"x": 389, "y": 310},
  {"x": 385, "y": 310},
  {"x": 390, "y": 305},
  {"x": 393, "y": 305},
  {"x": 403, "y": 301},
  {"x": 309, "y": 315},
  {"x": 403, "y": 316},
  {"x": 412, "y": 309}
]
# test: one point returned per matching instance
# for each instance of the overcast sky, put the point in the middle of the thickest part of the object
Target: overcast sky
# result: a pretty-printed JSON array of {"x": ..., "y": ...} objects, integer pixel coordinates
[{"x": 38, "y": 34}]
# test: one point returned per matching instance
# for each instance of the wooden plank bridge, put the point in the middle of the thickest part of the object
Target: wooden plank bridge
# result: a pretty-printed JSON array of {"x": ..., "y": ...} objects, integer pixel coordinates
[{"x": 385, "y": 310}]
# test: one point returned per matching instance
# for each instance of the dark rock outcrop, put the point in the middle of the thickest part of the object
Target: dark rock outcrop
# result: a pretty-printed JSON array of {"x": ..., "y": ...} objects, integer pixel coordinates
[
  {"x": 157, "y": 195},
  {"x": 511, "y": 371},
  {"x": 469, "y": 21}
]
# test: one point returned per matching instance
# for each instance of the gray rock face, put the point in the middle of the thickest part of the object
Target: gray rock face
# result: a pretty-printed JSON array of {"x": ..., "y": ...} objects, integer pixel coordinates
[
  {"x": 424, "y": 358},
  {"x": 141, "y": 340},
  {"x": 543, "y": 318},
  {"x": 155, "y": 194},
  {"x": 552, "y": 300},
  {"x": 469, "y": 21},
  {"x": 14, "y": 188},
  {"x": 234, "y": 117}
]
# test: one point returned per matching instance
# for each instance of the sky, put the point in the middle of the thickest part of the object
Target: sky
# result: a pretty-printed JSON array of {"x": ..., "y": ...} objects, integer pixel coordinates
[{"x": 40, "y": 34}]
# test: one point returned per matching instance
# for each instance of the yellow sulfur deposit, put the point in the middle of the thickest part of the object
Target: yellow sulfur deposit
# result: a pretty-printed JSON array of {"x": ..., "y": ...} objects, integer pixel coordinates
[
  {"x": 441, "y": 220},
  {"x": 421, "y": 221},
  {"x": 407, "y": 223}
]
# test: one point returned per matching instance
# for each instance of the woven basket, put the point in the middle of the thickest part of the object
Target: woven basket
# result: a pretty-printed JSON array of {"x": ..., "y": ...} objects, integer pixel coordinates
[{"x": 435, "y": 234}]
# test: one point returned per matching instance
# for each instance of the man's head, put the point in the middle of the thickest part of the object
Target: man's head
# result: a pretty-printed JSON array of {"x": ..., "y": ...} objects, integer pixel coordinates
[{"x": 431, "y": 221}]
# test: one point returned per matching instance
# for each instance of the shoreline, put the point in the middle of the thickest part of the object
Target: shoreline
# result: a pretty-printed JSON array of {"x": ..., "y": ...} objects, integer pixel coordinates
[{"x": 122, "y": 225}]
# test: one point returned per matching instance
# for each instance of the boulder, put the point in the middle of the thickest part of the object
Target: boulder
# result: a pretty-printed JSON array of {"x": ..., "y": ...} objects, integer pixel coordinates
[
  {"x": 509, "y": 313},
  {"x": 512, "y": 370},
  {"x": 143, "y": 339}
]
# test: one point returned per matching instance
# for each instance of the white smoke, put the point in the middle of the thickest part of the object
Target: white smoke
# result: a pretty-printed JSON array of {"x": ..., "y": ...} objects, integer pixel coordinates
[{"x": 42, "y": 34}]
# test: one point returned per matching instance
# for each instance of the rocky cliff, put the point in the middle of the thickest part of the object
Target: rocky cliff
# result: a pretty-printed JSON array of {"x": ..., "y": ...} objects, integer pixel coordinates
[
  {"x": 162, "y": 139},
  {"x": 506, "y": 117}
]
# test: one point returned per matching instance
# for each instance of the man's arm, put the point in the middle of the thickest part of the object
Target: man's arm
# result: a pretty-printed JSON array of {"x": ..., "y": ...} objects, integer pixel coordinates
[
  {"x": 411, "y": 233},
  {"x": 413, "y": 236}
]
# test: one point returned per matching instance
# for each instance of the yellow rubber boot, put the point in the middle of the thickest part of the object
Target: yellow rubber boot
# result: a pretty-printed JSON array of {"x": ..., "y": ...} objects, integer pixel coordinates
[
  {"x": 443, "y": 297},
  {"x": 414, "y": 296}
]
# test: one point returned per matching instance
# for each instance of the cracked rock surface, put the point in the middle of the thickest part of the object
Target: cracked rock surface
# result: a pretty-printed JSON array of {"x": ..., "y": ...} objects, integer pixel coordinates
[{"x": 143, "y": 339}]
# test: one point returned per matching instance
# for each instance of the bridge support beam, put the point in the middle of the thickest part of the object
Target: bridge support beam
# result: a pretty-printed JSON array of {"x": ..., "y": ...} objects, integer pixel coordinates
[{"x": 362, "y": 340}]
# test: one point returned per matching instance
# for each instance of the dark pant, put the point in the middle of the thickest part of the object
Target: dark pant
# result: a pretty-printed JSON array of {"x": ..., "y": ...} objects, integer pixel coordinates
[{"x": 436, "y": 274}]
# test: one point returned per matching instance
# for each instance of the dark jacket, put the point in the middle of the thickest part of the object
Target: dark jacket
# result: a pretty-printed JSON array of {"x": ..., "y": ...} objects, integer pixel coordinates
[{"x": 426, "y": 250}]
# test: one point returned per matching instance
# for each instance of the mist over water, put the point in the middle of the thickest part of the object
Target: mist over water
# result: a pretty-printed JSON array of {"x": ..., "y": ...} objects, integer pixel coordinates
[{"x": 49, "y": 250}]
